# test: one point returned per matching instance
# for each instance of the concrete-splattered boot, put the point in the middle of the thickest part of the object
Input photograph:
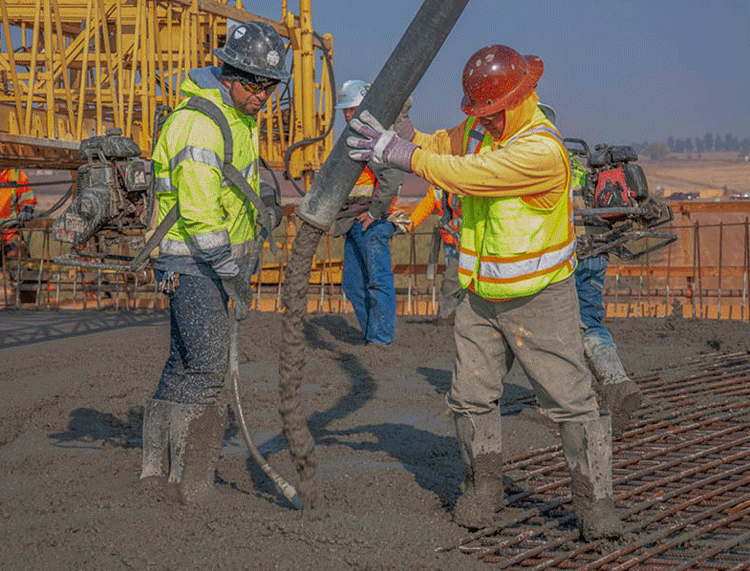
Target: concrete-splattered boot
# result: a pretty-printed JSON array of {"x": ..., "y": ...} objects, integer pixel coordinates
[
  {"x": 587, "y": 447},
  {"x": 480, "y": 441},
  {"x": 156, "y": 414},
  {"x": 620, "y": 395},
  {"x": 195, "y": 438}
]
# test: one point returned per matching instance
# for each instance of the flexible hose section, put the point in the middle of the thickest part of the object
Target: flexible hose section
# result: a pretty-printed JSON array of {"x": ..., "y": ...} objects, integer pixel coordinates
[
  {"x": 281, "y": 484},
  {"x": 395, "y": 82}
]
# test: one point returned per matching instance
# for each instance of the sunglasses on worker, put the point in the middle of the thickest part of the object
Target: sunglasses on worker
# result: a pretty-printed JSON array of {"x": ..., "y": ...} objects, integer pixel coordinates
[{"x": 257, "y": 87}]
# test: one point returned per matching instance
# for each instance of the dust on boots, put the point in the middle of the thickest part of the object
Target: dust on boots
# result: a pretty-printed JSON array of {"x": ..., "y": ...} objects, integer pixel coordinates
[{"x": 183, "y": 442}]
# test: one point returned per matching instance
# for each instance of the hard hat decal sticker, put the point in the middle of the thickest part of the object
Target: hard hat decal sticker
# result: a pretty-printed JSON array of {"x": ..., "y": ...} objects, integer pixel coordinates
[
  {"x": 273, "y": 57},
  {"x": 239, "y": 32}
]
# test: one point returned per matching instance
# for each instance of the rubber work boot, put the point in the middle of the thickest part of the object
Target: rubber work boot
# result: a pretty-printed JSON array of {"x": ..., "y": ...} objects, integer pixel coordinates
[
  {"x": 480, "y": 441},
  {"x": 155, "y": 439},
  {"x": 587, "y": 447},
  {"x": 620, "y": 395},
  {"x": 195, "y": 437}
]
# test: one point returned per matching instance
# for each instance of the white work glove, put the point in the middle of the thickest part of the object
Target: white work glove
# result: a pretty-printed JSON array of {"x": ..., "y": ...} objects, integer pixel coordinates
[
  {"x": 377, "y": 144},
  {"x": 401, "y": 222}
]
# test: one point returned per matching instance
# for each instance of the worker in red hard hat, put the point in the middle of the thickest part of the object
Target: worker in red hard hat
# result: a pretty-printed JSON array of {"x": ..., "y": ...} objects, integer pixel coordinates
[{"x": 508, "y": 163}]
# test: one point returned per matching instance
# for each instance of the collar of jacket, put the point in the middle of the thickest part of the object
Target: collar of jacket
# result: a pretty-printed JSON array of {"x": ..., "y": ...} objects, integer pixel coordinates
[{"x": 204, "y": 82}]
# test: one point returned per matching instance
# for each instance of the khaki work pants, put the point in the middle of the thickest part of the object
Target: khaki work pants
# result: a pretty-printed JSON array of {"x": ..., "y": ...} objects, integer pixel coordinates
[{"x": 543, "y": 332}]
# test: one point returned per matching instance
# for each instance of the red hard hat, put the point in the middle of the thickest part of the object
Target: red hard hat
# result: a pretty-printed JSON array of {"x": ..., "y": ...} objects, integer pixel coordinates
[{"x": 498, "y": 77}]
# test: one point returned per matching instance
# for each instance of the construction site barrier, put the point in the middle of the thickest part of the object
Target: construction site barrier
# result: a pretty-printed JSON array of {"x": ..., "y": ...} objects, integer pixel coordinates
[{"x": 703, "y": 274}]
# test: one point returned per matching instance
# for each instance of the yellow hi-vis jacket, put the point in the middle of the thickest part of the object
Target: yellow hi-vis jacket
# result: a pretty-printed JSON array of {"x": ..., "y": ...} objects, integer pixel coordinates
[
  {"x": 517, "y": 235},
  {"x": 216, "y": 221}
]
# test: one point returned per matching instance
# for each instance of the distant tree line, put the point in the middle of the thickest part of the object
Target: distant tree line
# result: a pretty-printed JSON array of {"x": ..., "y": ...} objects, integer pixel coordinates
[{"x": 706, "y": 143}]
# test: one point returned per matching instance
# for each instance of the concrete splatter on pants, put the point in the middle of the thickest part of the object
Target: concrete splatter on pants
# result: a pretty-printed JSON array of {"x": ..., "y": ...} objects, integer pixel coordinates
[
  {"x": 199, "y": 342},
  {"x": 542, "y": 332}
]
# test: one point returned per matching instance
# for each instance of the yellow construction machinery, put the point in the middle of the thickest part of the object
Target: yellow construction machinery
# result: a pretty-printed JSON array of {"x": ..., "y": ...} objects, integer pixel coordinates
[{"x": 71, "y": 69}]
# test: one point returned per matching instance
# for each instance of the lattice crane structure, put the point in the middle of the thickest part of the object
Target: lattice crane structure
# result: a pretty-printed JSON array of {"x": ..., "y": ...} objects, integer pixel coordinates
[{"x": 70, "y": 69}]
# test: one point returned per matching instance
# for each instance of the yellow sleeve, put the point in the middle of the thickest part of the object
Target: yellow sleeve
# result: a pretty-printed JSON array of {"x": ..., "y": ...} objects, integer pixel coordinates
[
  {"x": 444, "y": 141},
  {"x": 423, "y": 209},
  {"x": 532, "y": 165}
]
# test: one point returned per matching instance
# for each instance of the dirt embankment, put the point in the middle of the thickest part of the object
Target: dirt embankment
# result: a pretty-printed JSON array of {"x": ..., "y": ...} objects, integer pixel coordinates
[{"x": 388, "y": 465}]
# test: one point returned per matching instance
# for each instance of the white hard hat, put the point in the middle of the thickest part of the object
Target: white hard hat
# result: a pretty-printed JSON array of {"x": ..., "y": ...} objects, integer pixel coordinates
[{"x": 351, "y": 93}]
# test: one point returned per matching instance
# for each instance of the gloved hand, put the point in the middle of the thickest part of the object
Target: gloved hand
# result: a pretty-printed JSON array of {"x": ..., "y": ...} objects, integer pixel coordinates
[
  {"x": 403, "y": 125},
  {"x": 242, "y": 296},
  {"x": 377, "y": 144},
  {"x": 26, "y": 213},
  {"x": 401, "y": 222},
  {"x": 268, "y": 196}
]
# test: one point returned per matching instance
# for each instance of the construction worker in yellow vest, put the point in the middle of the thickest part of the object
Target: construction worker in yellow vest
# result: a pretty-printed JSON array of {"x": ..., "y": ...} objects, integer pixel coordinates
[
  {"x": 17, "y": 202},
  {"x": 517, "y": 258},
  {"x": 202, "y": 259}
]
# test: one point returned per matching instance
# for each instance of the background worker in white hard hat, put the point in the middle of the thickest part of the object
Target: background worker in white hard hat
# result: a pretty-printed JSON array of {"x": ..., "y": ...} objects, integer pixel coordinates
[
  {"x": 368, "y": 272},
  {"x": 517, "y": 258},
  {"x": 618, "y": 393},
  {"x": 202, "y": 259}
]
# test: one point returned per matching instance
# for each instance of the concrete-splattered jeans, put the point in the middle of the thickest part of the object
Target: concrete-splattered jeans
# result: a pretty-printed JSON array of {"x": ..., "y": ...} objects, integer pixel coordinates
[
  {"x": 542, "y": 332},
  {"x": 199, "y": 342}
]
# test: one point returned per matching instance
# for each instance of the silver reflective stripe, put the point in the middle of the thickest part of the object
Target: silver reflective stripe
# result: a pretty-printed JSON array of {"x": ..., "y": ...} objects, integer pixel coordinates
[
  {"x": 510, "y": 270},
  {"x": 467, "y": 261},
  {"x": 179, "y": 248},
  {"x": 198, "y": 155},
  {"x": 362, "y": 190},
  {"x": 211, "y": 240},
  {"x": 248, "y": 173},
  {"x": 164, "y": 184}
]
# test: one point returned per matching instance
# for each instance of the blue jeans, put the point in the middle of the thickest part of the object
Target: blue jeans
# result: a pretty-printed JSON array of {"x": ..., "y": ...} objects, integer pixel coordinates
[
  {"x": 368, "y": 280},
  {"x": 589, "y": 276},
  {"x": 449, "y": 251},
  {"x": 199, "y": 342}
]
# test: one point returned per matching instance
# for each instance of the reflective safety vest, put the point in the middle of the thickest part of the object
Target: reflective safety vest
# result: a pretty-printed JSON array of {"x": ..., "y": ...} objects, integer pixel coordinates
[
  {"x": 13, "y": 199},
  {"x": 189, "y": 156},
  {"x": 366, "y": 183},
  {"x": 509, "y": 248}
]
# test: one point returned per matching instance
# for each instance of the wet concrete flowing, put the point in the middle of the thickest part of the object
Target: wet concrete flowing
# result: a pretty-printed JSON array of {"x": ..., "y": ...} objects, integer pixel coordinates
[{"x": 292, "y": 361}]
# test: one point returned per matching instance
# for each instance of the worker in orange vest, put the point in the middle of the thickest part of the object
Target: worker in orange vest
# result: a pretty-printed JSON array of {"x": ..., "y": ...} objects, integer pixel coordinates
[
  {"x": 448, "y": 232},
  {"x": 17, "y": 202}
]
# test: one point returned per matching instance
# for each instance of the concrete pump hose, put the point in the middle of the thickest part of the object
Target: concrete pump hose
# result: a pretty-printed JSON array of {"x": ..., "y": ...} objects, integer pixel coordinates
[
  {"x": 332, "y": 185},
  {"x": 286, "y": 489}
]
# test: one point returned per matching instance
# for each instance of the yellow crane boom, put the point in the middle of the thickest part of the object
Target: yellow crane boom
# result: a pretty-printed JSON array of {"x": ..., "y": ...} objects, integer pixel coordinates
[{"x": 70, "y": 69}]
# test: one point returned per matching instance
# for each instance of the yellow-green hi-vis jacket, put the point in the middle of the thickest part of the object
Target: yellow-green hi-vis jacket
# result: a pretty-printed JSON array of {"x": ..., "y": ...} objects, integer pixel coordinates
[
  {"x": 216, "y": 222},
  {"x": 517, "y": 235}
]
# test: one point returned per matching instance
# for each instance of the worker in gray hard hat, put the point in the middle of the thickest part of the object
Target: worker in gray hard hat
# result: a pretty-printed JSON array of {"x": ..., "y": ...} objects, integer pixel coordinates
[{"x": 206, "y": 163}]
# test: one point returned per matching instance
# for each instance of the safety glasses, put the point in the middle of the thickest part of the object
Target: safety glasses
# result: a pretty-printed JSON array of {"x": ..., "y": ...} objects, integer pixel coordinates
[{"x": 253, "y": 87}]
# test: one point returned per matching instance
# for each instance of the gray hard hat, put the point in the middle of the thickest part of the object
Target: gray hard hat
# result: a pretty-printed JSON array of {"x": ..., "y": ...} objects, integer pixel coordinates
[{"x": 255, "y": 48}]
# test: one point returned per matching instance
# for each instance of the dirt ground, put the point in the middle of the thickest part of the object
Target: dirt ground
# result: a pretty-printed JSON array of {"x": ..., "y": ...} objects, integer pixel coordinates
[{"x": 388, "y": 465}]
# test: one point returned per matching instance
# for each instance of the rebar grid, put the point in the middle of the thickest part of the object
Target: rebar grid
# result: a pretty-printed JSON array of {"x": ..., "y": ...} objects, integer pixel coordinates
[{"x": 681, "y": 477}]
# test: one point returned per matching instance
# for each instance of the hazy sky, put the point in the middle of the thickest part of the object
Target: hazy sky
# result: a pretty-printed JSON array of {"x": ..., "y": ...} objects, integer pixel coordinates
[{"x": 615, "y": 71}]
